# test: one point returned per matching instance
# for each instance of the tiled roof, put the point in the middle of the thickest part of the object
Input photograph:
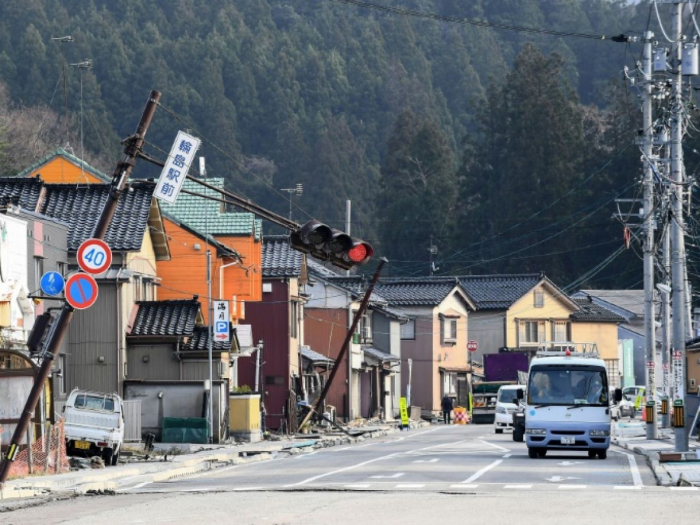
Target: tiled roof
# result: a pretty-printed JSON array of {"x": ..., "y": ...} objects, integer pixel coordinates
[
  {"x": 591, "y": 311},
  {"x": 356, "y": 285},
  {"x": 60, "y": 152},
  {"x": 630, "y": 300},
  {"x": 24, "y": 191},
  {"x": 206, "y": 215},
  {"x": 409, "y": 291},
  {"x": 80, "y": 206},
  {"x": 199, "y": 342},
  {"x": 497, "y": 292},
  {"x": 165, "y": 318},
  {"x": 278, "y": 259}
]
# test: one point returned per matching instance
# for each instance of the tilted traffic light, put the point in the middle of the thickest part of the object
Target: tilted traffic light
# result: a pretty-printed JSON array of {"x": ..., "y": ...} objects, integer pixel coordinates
[{"x": 328, "y": 244}]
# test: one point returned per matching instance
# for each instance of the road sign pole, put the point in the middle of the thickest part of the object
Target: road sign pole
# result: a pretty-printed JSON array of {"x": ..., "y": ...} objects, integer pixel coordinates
[{"x": 119, "y": 179}]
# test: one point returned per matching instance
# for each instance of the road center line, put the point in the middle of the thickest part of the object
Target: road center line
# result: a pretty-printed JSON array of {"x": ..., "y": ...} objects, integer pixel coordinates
[
  {"x": 634, "y": 469},
  {"x": 483, "y": 471}
]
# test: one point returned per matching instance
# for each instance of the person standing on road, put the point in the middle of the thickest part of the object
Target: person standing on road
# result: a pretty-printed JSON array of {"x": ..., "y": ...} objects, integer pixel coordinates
[{"x": 447, "y": 409}]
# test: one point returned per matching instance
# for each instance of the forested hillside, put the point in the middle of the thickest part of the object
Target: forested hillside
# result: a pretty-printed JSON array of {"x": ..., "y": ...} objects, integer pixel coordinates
[{"x": 431, "y": 128}]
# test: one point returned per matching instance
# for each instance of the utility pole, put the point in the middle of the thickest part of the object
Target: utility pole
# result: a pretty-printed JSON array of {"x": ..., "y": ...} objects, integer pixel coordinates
[
  {"x": 649, "y": 317},
  {"x": 132, "y": 148},
  {"x": 348, "y": 222},
  {"x": 677, "y": 241},
  {"x": 210, "y": 349},
  {"x": 432, "y": 251}
]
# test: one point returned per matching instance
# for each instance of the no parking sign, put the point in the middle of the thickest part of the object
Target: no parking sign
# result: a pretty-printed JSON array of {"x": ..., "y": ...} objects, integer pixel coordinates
[{"x": 81, "y": 291}]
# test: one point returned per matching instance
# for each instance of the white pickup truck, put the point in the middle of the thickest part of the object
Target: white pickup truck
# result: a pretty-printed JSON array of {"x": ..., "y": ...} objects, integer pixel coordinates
[{"x": 94, "y": 425}]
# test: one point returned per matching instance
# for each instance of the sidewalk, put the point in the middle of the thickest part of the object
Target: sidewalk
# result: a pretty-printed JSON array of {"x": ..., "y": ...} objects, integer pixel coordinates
[
  {"x": 197, "y": 459},
  {"x": 632, "y": 436}
]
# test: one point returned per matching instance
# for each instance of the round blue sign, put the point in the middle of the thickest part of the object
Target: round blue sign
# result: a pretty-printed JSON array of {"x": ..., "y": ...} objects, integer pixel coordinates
[{"x": 52, "y": 283}]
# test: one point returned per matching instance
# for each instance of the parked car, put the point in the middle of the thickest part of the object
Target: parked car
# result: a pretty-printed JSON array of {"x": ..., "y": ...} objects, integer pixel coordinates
[
  {"x": 94, "y": 425},
  {"x": 506, "y": 404}
]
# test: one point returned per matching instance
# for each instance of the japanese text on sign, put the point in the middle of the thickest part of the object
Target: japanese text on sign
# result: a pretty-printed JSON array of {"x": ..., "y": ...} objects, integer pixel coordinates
[
  {"x": 221, "y": 321},
  {"x": 176, "y": 167}
]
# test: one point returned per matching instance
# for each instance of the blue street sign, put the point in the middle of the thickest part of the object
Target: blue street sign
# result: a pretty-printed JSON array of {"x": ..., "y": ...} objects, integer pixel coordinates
[
  {"x": 52, "y": 283},
  {"x": 81, "y": 291}
]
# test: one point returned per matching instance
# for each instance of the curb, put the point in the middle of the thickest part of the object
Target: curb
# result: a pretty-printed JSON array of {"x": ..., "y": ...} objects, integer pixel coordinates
[{"x": 662, "y": 476}]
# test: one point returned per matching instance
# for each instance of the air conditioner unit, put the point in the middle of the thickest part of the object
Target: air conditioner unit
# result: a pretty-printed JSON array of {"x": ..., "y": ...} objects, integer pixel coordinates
[{"x": 367, "y": 333}]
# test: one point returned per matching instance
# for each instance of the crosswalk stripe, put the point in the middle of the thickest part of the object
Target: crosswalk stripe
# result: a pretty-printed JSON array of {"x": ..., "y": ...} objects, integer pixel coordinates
[
  {"x": 517, "y": 486},
  {"x": 463, "y": 486},
  {"x": 571, "y": 487},
  {"x": 627, "y": 487},
  {"x": 409, "y": 486},
  {"x": 684, "y": 488}
]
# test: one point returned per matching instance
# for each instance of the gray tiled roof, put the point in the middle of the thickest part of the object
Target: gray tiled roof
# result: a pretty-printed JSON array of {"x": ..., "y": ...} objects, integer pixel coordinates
[
  {"x": 315, "y": 358},
  {"x": 420, "y": 291},
  {"x": 379, "y": 355},
  {"x": 24, "y": 191},
  {"x": 497, "y": 292},
  {"x": 199, "y": 342},
  {"x": 80, "y": 207},
  {"x": 591, "y": 311},
  {"x": 356, "y": 285},
  {"x": 278, "y": 259},
  {"x": 165, "y": 318}
]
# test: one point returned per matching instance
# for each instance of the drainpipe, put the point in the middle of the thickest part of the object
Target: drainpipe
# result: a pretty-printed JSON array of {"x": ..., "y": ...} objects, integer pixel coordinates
[
  {"x": 351, "y": 408},
  {"x": 221, "y": 277}
]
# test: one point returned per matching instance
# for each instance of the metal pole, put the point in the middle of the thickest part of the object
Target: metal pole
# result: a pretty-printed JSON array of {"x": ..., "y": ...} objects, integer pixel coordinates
[
  {"x": 210, "y": 345},
  {"x": 649, "y": 317},
  {"x": 119, "y": 179},
  {"x": 408, "y": 384},
  {"x": 346, "y": 342},
  {"x": 348, "y": 221},
  {"x": 678, "y": 253},
  {"x": 666, "y": 334}
]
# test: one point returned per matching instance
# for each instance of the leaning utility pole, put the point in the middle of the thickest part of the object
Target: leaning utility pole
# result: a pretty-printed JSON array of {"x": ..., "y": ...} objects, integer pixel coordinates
[
  {"x": 677, "y": 240},
  {"x": 649, "y": 318},
  {"x": 133, "y": 146}
]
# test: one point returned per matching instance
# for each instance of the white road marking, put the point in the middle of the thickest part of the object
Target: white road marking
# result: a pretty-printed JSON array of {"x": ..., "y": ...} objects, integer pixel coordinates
[
  {"x": 409, "y": 486},
  {"x": 495, "y": 446},
  {"x": 302, "y": 456},
  {"x": 358, "y": 486},
  {"x": 243, "y": 489},
  {"x": 345, "y": 469},
  {"x": 569, "y": 463},
  {"x": 636, "y": 476},
  {"x": 483, "y": 471},
  {"x": 139, "y": 485},
  {"x": 507, "y": 455},
  {"x": 388, "y": 476},
  {"x": 684, "y": 488},
  {"x": 572, "y": 487},
  {"x": 463, "y": 486},
  {"x": 627, "y": 487},
  {"x": 434, "y": 460},
  {"x": 558, "y": 479},
  {"x": 519, "y": 487}
]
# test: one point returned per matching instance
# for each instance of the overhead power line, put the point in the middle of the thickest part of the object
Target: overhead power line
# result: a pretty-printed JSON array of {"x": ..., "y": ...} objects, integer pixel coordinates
[{"x": 478, "y": 23}]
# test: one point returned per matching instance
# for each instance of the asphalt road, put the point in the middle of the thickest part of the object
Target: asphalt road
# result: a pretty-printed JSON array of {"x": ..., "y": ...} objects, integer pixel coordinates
[{"x": 437, "y": 475}]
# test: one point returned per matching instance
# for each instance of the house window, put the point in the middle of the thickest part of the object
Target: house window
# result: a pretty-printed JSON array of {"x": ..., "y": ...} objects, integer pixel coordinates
[
  {"x": 408, "y": 330},
  {"x": 539, "y": 299},
  {"x": 449, "y": 383},
  {"x": 613, "y": 366},
  {"x": 294, "y": 319},
  {"x": 38, "y": 270},
  {"x": 366, "y": 327},
  {"x": 532, "y": 332},
  {"x": 449, "y": 329},
  {"x": 560, "y": 331},
  {"x": 62, "y": 268}
]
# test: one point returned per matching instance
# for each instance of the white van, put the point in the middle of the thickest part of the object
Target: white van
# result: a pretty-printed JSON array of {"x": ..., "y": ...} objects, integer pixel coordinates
[
  {"x": 94, "y": 425},
  {"x": 506, "y": 404},
  {"x": 568, "y": 405}
]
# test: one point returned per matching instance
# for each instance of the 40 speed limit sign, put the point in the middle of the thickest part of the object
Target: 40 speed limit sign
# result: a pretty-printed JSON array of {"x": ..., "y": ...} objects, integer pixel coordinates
[{"x": 94, "y": 256}]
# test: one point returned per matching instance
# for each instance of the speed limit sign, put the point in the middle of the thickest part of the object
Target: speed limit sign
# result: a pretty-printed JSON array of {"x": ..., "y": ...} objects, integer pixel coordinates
[{"x": 94, "y": 256}]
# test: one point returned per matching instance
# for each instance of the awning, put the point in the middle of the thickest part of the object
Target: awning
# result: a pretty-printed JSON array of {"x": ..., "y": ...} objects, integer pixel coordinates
[
  {"x": 316, "y": 359},
  {"x": 379, "y": 356}
]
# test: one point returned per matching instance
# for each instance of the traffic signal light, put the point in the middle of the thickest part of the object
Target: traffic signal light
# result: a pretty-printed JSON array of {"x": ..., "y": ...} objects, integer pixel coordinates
[{"x": 328, "y": 244}]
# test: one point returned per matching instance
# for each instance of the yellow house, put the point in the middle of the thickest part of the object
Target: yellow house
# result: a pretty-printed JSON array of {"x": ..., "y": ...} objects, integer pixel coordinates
[{"x": 528, "y": 312}]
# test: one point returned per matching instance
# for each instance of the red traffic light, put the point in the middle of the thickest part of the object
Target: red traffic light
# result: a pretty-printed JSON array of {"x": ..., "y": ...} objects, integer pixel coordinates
[{"x": 331, "y": 245}]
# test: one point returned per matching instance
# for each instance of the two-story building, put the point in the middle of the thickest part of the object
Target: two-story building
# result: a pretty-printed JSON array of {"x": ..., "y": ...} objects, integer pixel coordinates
[{"x": 434, "y": 338}]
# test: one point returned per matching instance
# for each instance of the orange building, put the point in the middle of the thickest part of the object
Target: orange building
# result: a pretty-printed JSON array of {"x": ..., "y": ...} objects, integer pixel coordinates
[
  {"x": 61, "y": 166},
  {"x": 236, "y": 240}
]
